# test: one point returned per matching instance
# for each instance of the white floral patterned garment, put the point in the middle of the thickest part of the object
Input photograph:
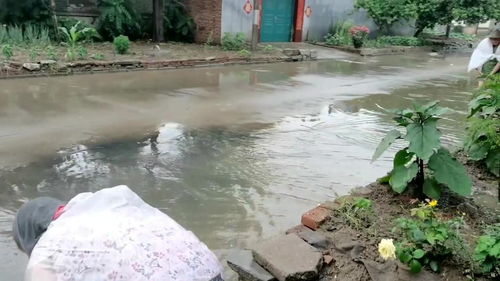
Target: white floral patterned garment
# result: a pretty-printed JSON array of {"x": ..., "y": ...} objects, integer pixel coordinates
[{"x": 113, "y": 235}]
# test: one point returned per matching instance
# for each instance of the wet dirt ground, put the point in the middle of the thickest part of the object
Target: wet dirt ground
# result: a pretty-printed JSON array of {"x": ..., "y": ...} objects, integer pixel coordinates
[{"x": 233, "y": 153}]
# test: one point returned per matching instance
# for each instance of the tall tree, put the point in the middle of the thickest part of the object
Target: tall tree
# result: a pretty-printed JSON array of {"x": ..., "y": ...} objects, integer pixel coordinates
[{"x": 386, "y": 12}]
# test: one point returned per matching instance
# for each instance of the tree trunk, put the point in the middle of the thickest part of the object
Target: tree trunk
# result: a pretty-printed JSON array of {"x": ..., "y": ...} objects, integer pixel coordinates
[
  {"x": 158, "y": 34},
  {"x": 448, "y": 30},
  {"x": 418, "y": 32},
  {"x": 54, "y": 17}
]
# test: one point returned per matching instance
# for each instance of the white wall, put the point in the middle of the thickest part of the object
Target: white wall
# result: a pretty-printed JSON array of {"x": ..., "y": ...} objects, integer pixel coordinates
[{"x": 235, "y": 19}]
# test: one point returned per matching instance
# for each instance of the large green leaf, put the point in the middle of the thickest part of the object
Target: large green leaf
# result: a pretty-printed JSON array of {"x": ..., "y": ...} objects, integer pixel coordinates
[
  {"x": 423, "y": 138},
  {"x": 477, "y": 151},
  {"x": 385, "y": 143},
  {"x": 401, "y": 176},
  {"x": 493, "y": 161},
  {"x": 403, "y": 157},
  {"x": 449, "y": 172},
  {"x": 432, "y": 188}
]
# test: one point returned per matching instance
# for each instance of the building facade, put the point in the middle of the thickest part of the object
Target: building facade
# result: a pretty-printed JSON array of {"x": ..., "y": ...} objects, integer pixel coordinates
[{"x": 278, "y": 20}]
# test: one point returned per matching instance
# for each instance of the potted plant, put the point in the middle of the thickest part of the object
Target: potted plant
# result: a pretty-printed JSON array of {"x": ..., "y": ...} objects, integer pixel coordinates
[{"x": 359, "y": 34}]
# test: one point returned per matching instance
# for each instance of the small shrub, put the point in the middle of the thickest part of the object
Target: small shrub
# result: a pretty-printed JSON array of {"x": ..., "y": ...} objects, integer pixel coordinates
[
  {"x": 122, "y": 44},
  {"x": 339, "y": 34},
  {"x": 359, "y": 34},
  {"x": 233, "y": 42},
  {"x": 487, "y": 251},
  {"x": 424, "y": 149},
  {"x": 268, "y": 48},
  {"x": 34, "y": 53},
  {"x": 7, "y": 51},
  {"x": 245, "y": 53},
  {"x": 50, "y": 53},
  {"x": 400, "y": 41},
  {"x": 98, "y": 56},
  {"x": 427, "y": 239}
]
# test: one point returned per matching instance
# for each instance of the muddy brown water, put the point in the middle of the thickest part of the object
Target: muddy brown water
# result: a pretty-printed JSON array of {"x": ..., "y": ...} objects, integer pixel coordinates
[{"x": 239, "y": 152}]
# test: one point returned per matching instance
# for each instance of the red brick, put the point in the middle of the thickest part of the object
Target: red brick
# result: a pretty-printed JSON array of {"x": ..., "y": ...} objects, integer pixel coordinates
[{"x": 315, "y": 217}]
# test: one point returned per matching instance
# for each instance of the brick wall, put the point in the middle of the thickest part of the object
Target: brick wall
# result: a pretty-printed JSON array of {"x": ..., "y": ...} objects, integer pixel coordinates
[{"x": 207, "y": 14}]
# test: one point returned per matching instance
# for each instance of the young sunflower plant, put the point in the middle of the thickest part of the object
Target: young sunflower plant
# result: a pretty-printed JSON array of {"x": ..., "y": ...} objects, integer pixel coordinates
[{"x": 423, "y": 151}]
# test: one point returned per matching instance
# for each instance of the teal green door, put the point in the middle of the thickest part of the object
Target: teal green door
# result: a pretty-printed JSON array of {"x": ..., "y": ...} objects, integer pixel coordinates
[{"x": 277, "y": 20}]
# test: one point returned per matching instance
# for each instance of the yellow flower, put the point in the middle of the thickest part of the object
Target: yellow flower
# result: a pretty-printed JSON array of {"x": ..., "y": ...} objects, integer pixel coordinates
[
  {"x": 387, "y": 249},
  {"x": 433, "y": 203}
]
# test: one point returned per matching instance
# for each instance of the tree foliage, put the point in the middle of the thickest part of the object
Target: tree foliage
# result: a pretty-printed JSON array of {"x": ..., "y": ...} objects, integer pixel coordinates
[
  {"x": 386, "y": 12},
  {"x": 118, "y": 18},
  {"x": 428, "y": 13},
  {"x": 16, "y": 12}
]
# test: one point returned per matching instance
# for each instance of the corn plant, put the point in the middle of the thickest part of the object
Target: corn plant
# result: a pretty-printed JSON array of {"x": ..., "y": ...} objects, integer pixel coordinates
[{"x": 424, "y": 150}]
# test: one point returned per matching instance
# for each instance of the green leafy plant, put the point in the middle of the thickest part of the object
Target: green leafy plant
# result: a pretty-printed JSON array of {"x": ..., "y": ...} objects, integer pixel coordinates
[
  {"x": 482, "y": 142},
  {"x": 118, "y": 17},
  {"x": 400, "y": 41},
  {"x": 88, "y": 36},
  {"x": 98, "y": 56},
  {"x": 487, "y": 251},
  {"x": 50, "y": 52},
  {"x": 34, "y": 53},
  {"x": 359, "y": 34},
  {"x": 268, "y": 48},
  {"x": 424, "y": 149},
  {"x": 73, "y": 38},
  {"x": 427, "y": 239},
  {"x": 7, "y": 51},
  {"x": 339, "y": 34},
  {"x": 122, "y": 44},
  {"x": 234, "y": 42},
  {"x": 245, "y": 53},
  {"x": 35, "y": 35},
  {"x": 75, "y": 35},
  {"x": 357, "y": 212},
  {"x": 82, "y": 52},
  {"x": 179, "y": 25}
]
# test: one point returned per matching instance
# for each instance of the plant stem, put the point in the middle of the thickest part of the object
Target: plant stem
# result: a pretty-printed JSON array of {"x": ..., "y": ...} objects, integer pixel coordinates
[{"x": 420, "y": 177}]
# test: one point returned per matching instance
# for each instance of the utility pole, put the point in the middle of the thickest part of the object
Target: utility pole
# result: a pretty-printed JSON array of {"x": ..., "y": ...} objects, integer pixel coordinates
[
  {"x": 255, "y": 27},
  {"x": 158, "y": 33}
]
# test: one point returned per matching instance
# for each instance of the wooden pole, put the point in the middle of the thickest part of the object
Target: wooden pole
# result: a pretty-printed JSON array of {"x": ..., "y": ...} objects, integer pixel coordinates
[
  {"x": 158, "y": 30},
  {"x": 255, "y": 27}
]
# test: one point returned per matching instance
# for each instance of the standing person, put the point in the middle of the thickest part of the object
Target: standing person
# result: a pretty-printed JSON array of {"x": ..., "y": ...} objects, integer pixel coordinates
[
  {"x": 486, "y": 56},
  {"x": 110, "y": 235}
]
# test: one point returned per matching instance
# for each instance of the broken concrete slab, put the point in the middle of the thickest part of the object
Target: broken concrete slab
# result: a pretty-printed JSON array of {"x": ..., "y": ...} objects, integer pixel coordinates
[
  {"x": 31, "y": 66},
  {"x": 313, "y": 238},
  {"x": 242, "y": 262},
  {"x": 289, "y": 258}
]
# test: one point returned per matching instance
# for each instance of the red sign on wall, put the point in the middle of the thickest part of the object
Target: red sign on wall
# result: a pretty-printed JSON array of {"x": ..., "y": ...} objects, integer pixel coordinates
[
  {"x": 248, "y": 8},
  {"x": 308, "y": 11}
]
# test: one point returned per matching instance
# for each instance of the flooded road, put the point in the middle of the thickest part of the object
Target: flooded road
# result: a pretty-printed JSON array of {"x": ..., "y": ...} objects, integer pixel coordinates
[{"x": 232, "y": 153}]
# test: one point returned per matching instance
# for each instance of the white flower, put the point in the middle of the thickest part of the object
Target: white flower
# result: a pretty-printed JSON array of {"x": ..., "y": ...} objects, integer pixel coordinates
[{"x": 387, "y": 249}]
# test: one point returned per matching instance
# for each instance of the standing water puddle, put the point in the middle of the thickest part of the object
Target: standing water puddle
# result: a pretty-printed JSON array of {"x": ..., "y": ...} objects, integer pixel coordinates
[{"x": 234, "y": 154}]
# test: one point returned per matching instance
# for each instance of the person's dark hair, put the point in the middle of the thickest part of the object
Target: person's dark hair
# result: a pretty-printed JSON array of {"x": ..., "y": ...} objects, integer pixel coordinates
[{"x": 32, "y": 221}]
